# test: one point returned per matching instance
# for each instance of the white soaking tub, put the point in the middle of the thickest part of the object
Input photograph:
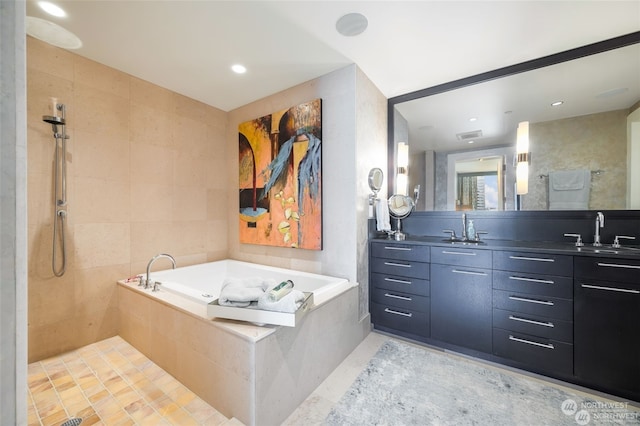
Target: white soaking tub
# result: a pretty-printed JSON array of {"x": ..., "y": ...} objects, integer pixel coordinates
[{"x": 258, "y": 374}]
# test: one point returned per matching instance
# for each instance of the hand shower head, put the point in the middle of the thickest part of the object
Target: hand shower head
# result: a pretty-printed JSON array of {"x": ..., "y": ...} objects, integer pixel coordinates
[{"x": 51, "y": 119}]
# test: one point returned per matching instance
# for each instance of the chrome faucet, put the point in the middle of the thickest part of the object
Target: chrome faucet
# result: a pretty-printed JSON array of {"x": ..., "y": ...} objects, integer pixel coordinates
[
  {"x": 464, "y": 227},
  {"x": 148, "y": 282},
  {"x": 599, "y": 224}
]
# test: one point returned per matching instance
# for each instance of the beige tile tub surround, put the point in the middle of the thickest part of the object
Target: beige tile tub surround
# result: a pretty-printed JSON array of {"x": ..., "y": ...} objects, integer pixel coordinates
[
  {"x": 258, "y": 375},
  {"x": 145, "y": 174}
]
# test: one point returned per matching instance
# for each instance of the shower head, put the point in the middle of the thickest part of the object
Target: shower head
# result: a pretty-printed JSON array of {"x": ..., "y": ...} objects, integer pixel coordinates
[{"x": 51, "y": 119}]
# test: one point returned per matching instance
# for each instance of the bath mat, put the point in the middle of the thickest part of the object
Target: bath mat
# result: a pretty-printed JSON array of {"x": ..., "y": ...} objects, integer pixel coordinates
[{"x": 408, "y": 385}]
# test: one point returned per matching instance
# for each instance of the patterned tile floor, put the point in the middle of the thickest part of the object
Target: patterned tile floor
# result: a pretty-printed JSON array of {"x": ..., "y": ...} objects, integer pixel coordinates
[{"x": 111, "y": 383}]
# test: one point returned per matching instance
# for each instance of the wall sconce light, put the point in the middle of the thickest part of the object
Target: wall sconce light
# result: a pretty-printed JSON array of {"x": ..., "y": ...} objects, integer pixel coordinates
[
  {"x": 524, "y": 157},
  {"x": 402, "y": 175}
]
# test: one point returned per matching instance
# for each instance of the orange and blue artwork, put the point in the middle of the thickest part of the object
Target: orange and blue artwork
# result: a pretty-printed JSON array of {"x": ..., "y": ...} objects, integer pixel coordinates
[{"x": 280, "y": 159}]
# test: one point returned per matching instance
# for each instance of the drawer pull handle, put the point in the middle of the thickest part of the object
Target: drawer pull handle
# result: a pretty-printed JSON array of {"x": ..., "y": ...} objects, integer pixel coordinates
[
  {"x": 529, "y": 342},
  {"x": 523, "y": 299},
  {"x": 461, "y": 253},
  {"x": 394, "y": 296},
  {"x": 535, "y": 259},
  {"x": 617, "y": 265},
  {"x": 620, "y": 290},
  {"x": 533, "y": 280},
  {"x": 458, "y": 271},
  {"x": 404, "y": 314},
  {"x": 397, "y": 248},
  {"x": 404, "y": 265},
  {"x": 394, "y": 280},
  {"x": 529, "y": 321}
]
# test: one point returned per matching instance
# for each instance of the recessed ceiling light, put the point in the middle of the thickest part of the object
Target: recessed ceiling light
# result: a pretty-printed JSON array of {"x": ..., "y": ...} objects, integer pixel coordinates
[
  {"x": 239, "y": 69},
  {"x": 557, "y": 103},
  {"x": 472, "y": 119},
  {"x": 52, "y": 9},
  {"x": 52, "y": 33},
  {"x": 352, "y": 24},
  {"x": 472, "y": 141}
]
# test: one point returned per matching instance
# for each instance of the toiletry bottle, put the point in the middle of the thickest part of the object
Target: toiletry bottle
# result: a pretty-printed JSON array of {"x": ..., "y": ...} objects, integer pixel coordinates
[
  {"x": 471, "y": 231},
  {"x": 280, "y": 291}
]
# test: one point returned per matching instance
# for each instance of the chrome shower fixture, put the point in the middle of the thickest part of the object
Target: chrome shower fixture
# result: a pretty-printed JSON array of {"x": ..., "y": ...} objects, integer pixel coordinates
[
  {"x": 58, "y": 125},
  {"x": 56, "y": 120}
]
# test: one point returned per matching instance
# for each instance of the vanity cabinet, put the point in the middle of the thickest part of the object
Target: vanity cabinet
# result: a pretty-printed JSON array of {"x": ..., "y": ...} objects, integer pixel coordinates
[
  {"x": 533, "y": 310},
  {"x": 400, "y": 288},
  {"x": 461, "y": 297},
  {"x": 607, "y": 324}
]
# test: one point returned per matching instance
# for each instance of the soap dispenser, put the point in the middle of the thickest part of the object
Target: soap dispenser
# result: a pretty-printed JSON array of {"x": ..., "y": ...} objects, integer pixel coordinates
[{"x": 471, "y": 231}]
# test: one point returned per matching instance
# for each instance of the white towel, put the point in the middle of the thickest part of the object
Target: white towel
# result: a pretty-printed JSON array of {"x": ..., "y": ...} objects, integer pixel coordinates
[
  {"x": 569, "y": 190},
  {"x": 241, "y": 292},
  {"x": 382, "y": 216},
  {"x": 289, "y": 303}
]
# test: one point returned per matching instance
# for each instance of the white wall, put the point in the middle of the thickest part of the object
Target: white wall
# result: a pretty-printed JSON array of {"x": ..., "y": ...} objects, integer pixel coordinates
[
  {"x": 353, "y": 141},
  {"x": 13, "y": 223}
]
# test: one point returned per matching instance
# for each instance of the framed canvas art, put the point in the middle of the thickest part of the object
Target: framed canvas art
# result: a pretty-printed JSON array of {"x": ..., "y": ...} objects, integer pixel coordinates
[{"x": 280, "y": 159}]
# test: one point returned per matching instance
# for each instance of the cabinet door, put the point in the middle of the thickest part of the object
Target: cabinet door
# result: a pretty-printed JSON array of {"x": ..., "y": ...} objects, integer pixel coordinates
[
  {"x": 461, "y": 306},
  {"x": 607, "y": 326}
]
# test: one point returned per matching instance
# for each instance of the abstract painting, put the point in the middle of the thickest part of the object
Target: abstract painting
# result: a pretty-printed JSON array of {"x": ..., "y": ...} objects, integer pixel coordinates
[{"x": 280, "y": 184}]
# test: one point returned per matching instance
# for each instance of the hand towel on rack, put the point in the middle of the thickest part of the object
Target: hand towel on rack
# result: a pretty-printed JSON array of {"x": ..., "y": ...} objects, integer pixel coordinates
[
  {"x": 241, "y": 292},
  {"x": 382, "y": 216},
  {"x": 569, "y": 189}
]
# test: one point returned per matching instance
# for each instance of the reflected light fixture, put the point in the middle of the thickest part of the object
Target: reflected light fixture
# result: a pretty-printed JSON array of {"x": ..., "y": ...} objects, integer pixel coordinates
[
  {"x": 402, "y": 176},
  {"x": 524, "y": 157}
]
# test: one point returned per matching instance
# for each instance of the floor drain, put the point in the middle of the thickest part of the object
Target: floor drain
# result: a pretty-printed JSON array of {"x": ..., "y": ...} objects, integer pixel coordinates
[{"x": 72, "y": 422}]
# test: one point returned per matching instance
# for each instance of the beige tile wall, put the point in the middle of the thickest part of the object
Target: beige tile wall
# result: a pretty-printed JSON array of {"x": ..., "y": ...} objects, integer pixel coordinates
[{"x": 146, "y": 173}]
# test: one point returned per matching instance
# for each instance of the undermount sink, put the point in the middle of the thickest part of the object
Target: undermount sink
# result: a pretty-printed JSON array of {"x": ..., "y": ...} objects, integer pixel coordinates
[
  {"x": 462, "y": 242},
  {"x": 608, "y": 250}
]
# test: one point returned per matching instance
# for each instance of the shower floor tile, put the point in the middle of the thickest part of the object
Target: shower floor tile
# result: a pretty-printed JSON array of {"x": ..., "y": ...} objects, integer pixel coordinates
[{"x": 111, "y": 383}]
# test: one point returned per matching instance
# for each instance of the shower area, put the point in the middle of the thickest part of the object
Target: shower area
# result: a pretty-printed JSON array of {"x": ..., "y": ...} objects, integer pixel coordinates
[{"x": 96, "y": 215}]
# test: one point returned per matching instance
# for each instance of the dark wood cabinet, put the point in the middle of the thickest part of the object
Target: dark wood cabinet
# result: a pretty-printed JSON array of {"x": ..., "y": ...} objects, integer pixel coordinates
[
  {"x": 607, "y": 324},
  {"x": 575, "y": 317},
  {"x": 461, "y": 297},
  {"x": 533, "y": 310},
  {"x": 400, "y": 288}
]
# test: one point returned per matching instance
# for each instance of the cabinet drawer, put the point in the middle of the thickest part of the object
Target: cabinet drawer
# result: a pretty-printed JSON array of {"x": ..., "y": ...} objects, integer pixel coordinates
[
  {"x": 534, "y": 325},
  {"x": 547, "y": 307},
  {"x": 540, "y": 263},
  {"x": 393, "y": 250},
  {"x": 400, "y": 300},
  {"x": 461, "y": 256},
  {"x": 402, "y": 268},
  {"x": 607, "y": 269},
  {"x": 409, "y": 285},
  {"x": 538, "y": 353},
  {"x": 400, "y": 319},
  {"x": 549, "y": 285}
]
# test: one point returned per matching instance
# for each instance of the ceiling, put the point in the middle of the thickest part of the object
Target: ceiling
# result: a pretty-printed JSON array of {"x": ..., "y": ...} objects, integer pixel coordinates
[{"x": 189, "y": 46}]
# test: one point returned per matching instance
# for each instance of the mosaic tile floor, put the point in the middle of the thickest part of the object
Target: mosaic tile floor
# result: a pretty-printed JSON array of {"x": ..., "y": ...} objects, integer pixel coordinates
[{"x": 111, "y": 383}]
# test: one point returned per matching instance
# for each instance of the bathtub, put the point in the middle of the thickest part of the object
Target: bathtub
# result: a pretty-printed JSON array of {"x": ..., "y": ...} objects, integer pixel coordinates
[
  {"x": 257, "y": 374},
  {"x": 201, "y": 283}
]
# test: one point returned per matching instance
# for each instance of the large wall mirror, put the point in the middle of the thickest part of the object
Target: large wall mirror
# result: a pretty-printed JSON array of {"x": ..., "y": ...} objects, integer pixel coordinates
[{"x": 462, "y": 134}]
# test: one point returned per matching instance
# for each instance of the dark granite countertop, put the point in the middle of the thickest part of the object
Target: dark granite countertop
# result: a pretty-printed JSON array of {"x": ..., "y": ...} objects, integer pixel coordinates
[{"x": 551, "y": 247}]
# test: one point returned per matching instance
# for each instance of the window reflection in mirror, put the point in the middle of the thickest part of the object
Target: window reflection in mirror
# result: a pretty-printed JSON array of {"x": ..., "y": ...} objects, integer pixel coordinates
[{"x": 479, "y": 184}]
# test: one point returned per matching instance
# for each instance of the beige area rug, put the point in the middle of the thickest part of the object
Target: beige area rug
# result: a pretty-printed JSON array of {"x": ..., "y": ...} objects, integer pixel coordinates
[{"x": 408, "y": 385}]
